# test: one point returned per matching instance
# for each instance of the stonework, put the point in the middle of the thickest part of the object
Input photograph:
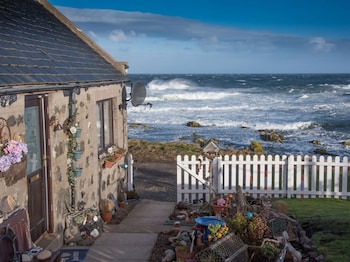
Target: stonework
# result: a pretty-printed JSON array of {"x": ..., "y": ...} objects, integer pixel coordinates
[{"x": 95, "y": 182}]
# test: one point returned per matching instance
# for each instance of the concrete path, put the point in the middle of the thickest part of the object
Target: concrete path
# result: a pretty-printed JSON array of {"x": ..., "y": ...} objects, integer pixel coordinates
[{"x": 134, "y": 238}]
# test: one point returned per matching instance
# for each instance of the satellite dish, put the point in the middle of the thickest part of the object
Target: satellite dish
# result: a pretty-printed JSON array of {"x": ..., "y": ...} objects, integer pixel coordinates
[{"x": 138, "y": 93}]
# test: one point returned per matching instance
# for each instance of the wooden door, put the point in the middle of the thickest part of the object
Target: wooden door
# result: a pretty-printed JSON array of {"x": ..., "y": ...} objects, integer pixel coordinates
[{"x": 36, "y": 139}]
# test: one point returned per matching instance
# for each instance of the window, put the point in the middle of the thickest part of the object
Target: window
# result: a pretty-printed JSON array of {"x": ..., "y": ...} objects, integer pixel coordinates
[{"x": 104, "y": 124}]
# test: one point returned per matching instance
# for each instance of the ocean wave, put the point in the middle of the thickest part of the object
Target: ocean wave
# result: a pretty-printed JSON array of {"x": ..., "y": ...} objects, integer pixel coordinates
[
  {"x": 343, "y": 87},
  {"x": 176, "y": 84},
  {"x": 192, "y": 96},
  {"x": 284, "y": 126},
  {"x": 304, "y": 97}
]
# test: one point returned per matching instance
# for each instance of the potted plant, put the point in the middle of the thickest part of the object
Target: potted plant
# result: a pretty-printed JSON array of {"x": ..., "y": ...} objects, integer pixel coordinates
[
  {"x": 121, "y": 199},
  {"x": 106, "y": 209},
  {"x": 111, "y": 157},
  {"x": 183, "y": 253}
]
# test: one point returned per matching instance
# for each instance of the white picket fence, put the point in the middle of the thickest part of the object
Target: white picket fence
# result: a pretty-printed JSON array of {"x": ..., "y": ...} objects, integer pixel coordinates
[{"x": 275, "y": 176}]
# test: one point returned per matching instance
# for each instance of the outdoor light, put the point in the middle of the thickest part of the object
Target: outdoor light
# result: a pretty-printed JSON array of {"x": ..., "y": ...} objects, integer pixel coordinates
[
  {"x": 124, "y": 166},
  {"x": 57, "y": 126}
]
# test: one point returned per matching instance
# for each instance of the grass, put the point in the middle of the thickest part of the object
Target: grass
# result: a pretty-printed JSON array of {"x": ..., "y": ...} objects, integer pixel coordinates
[
  {"x": 328, "y": 220},
  {"x": 143, "y": 150}
]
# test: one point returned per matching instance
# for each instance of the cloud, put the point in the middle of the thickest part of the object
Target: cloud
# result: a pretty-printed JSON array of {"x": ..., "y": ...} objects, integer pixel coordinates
[
  {"x": 114, "y": 24},
  {"x": 320, "y": 44},
  {"x": 118, "y": 36},
  {"x": 192, "y": 46}
]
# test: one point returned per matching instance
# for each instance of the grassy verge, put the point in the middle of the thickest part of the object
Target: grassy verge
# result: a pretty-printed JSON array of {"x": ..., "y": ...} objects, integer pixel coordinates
[
  {"x": 328, "y": 221},
  {"x": 143, "y": 150}
]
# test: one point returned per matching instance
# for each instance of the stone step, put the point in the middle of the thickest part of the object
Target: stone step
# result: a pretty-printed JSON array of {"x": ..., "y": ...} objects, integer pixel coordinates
[{"x": 50, "y": 241}]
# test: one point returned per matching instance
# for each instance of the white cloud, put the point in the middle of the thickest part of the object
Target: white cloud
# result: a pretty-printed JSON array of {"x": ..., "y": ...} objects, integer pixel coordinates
[
  {"x": 118, "y": 36},
  {"x": 320, "y": 44},
  {"x": 191, "y": 45}
]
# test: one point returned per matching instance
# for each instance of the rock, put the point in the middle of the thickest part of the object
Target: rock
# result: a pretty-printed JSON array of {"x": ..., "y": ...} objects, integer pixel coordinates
[
  {"x": 8, "y": 204},
  {"x": 193, "y": 124},
  {"x": 271, "y": 135},
  {"x": 169, "y": 255},
  {"x": 346, "y": 143},
  {"x": 316, "y": 142},
  {"x": 321, "y": 151}
]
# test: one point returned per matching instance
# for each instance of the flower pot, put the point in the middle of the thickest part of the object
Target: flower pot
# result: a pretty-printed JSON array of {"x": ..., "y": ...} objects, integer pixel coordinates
[
  {"x": 77, "y": 154},
  {"x": 121, "y": 204},
  {"x": 77, "y": 171},
  {"x": 106, "y": 216},
  {"x": 111, "y": 162},
  {"x": 78, "y": 133},
  {"x": 219, "y": 210},
  {"x": 15, "y": 172},
  {"x": 183, "y": 253}
]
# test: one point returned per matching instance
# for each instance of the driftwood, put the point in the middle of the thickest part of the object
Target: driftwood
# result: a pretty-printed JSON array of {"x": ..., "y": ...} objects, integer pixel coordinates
[{"x": 241, "y": 201}]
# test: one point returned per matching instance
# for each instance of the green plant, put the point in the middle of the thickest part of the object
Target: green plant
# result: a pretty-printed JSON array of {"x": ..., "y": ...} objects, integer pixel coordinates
[
  {"x": 269, "y": 250},
  {"x": 106, "y": 205},
  {"x": 217, "y": 231},
  {"x": 250, "y": 227},
  {"x": 256, "y": 147}
]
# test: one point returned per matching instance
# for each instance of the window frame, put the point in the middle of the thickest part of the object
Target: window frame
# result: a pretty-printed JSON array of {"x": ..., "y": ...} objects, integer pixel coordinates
[{"x": 101, "y": 107}]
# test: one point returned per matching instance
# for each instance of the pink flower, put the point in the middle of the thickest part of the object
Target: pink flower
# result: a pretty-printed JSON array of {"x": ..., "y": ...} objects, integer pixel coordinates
[
  {"x": 11, "y": 153},
  {"x": 221, "y": 202}
]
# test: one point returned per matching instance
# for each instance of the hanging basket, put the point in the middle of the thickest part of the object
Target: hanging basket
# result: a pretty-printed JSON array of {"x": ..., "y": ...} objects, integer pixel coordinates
[
  {"x": 78, "y": 133},
  {"x": 15, "y": 173},
  {"x": 77, "y": 171},
  {"x": 77, "y": 154}
]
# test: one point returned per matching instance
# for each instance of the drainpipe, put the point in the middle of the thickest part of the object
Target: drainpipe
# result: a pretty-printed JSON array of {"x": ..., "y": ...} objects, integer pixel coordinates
[{"x": 71, "y": 108}]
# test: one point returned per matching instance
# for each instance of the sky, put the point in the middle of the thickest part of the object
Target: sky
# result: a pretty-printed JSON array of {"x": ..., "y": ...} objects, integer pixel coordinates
[{"x": 221, "y": 36}]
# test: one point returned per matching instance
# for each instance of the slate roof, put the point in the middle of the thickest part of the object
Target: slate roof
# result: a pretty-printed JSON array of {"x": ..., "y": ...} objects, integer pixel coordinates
[{"x": 36, "y": 48}]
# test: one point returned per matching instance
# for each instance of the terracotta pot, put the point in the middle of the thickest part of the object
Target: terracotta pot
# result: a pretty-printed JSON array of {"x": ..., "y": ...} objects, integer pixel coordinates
[
  {"x": 219, "y": 210},
  {"x": 183, "y": 253},
  {"x": 109, "y": 163},
  {"x": 106, "y": 217},
  {"x": 121, "y": 204}
]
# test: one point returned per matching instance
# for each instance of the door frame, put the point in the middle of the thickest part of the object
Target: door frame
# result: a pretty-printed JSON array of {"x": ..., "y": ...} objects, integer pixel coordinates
[{"x": 42, "y": 104}]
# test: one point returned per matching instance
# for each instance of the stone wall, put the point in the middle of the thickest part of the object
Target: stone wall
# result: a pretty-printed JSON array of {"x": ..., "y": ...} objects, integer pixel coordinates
[
  {"x": 14, "y": 117},
  {"x": 96, "y": 182}
]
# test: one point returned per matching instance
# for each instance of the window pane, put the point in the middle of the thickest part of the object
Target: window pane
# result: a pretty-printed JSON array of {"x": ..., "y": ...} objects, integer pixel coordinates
[
  {"x": 99, "y": 126},
  {"x": 107, "y": 115}
]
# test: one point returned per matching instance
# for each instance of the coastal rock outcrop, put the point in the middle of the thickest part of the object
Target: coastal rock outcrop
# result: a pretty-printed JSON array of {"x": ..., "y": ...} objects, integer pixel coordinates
[
  {"x": 193, "y": 124},
  {"x": 271, "y": 135}
]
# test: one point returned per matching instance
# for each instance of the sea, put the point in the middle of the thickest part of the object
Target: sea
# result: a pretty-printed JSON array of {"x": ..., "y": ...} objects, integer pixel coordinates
[{"x": 232, "y": 108}]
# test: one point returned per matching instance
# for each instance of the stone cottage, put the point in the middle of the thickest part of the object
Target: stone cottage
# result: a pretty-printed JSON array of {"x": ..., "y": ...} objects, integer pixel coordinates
[{"x": 63, "y": 99}]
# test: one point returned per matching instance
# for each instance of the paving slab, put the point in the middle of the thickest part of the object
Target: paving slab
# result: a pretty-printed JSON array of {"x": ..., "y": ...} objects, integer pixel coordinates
[{"x": 134, "y": 238}]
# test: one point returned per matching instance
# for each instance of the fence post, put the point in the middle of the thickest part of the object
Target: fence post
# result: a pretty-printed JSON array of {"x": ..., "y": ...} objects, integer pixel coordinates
[
  {"x": 130, "y": 172},
  {"x": 345, "y": 169},
  {"x": 217, "y": 175},
  {"x": 289, "y": 176}
]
